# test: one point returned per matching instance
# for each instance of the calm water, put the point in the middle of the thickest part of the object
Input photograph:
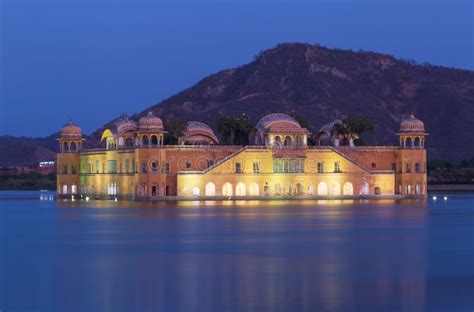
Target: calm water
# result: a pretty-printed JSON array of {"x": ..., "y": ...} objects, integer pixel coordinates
[{"x": 235, "y": 256}]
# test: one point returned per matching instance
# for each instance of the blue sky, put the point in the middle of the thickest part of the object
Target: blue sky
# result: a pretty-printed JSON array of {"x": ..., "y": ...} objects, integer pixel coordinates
[{"x": 92, "y": 60}]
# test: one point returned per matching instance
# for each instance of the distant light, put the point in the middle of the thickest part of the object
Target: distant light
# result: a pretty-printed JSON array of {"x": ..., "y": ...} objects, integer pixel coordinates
[
  {"x": 434, "y": 197},
  {"x": 116, "y": 199},
  {"x": 87, "y": 198},
  {"x": 445, "y": 198}
]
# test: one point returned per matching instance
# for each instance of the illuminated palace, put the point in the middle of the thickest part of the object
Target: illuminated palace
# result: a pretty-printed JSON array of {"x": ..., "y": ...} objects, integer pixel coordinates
[{"x": 278, "y": 163}]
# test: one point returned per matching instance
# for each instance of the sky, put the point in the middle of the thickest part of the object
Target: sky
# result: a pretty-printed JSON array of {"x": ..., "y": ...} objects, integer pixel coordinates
[{"x": 92, "y": 60}]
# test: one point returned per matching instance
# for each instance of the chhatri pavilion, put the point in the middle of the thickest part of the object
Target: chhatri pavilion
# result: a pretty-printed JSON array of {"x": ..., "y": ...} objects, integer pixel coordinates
[{"x": 136, "y": 164}]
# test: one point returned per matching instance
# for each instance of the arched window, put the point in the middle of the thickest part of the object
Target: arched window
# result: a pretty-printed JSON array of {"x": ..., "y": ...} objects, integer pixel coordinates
[
  {"x": 348, "y": 189},
  {"x": 336, "y": 189},
  {"x": 408, "y": 143},
  {"x": 128, "y": 142},
  {"x": 154, "y": 140},
  {"x": 227, "y": 189},
  {"x": 145, "y": 140},
  {"x": 322, "y": 189},
  {"x": 210, "y": 189},
  {"x": 416, "y": 142},
  {"x": 65, "y": 147},
  {"x": 240, "y": 189},
  {"x": 73, "y": 146},
  {"x": 144, "y": 169},
  {"x": 288, "y": 141},
  {"x": 253, "y": 189}
]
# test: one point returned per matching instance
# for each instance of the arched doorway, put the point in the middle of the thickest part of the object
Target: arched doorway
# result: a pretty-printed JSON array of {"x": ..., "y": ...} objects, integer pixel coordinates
[
  {"x": 364, "y": 188},
  {"x": 210, "y": 189},
  {"x": 240, "y": 189},
  {"x": 288, "y": 141},
  {"x": 299, "y": 189},
  {"x": 322, "y": 189},
  {"x": 277, "y": 189},
  {"x": 348, "y": 189},
  {"x": 154, "y": 140},
  {"x": 254, "y": 189},
  {"x": 128, "y": 142},
  {"x": 336, "y": 189},
  {"x": 145, "y": 140},
  {"x": 418, "y": 189},
  {"x": 311, "y": 189},
  {"x": 227, "y": 189},
  {"x": 377, "y": 190},
  {"x": 196, "y": 191},
  {"x": 299, "y": 140},
  {"x": 73, "y": 146},
  {"x": 416, "y": 142}
]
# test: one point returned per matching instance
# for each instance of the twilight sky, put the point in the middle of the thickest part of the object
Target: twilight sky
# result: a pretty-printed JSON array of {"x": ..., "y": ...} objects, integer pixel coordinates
[{"x": 92, "y": 60}]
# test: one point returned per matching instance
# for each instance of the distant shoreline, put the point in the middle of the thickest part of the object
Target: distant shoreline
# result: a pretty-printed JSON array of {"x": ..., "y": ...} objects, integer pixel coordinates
[{"x": 450, "y": 187}]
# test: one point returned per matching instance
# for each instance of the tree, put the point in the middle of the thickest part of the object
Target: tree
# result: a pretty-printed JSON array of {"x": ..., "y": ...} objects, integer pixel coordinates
[
  {"x": 356, "y": 127},
  {"x": 234, "y": 130},
  {"x": 351, "y": 130},
  {"x": 467, "y": 163},
  {"x": 225, "y": 127},
  {"x": 175, "y": 127}
]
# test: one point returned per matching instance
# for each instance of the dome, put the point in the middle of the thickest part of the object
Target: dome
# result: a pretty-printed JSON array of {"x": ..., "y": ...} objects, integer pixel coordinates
[
  {"x": 70, "y": 130},
  {"x": 276, "y": 119},
  {"x": 197, "y": 125},
  {"x": 411, "y": 124},
  {"x": 327, "y": 128},
  {"x": 150, "y": 122},
  {"x": 124, "y": 125},
  {"x": 199, "y": 133}
]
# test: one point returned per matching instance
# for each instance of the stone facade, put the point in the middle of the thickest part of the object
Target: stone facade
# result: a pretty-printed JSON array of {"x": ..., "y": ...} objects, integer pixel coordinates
[{"x": 136, "y": 164}]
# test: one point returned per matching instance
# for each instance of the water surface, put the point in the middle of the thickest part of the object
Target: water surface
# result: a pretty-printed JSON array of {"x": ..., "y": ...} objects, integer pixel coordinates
[{"x": 354, "y": 255}]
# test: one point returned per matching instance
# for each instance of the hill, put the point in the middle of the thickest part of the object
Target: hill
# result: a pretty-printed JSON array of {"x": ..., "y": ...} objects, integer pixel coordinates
[{"x": 321, "y": 84}]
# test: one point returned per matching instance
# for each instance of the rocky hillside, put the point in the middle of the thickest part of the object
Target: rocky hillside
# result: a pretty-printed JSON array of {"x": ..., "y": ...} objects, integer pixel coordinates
[
  {"x": 21, "y": 151},
  {"x": 321, "y": 84}
]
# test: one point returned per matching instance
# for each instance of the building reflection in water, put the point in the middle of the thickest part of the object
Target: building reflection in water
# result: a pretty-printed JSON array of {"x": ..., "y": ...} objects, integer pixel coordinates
[{"x": 233, "y": 255}]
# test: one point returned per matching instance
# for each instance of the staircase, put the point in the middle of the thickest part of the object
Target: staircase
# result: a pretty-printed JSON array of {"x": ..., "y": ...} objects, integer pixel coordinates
[
  {"x": 232, "y": 156},
  {"x": 355, "y": 163}
]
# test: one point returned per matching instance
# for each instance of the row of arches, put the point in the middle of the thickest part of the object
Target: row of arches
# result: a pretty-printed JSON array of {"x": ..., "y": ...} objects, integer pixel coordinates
[
  {"x": 412, "y": 142},
  {"x": 298, "y": 189},
  {"x": 70, "y": 146},
  {"x": 152, "y": 140},
  {"x": 65, "y": 189},
  {"x": 288, "y": 141}
]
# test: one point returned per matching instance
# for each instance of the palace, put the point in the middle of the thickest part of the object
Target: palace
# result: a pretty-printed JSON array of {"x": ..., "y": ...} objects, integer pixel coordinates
[{"x": 136, "y": 164}]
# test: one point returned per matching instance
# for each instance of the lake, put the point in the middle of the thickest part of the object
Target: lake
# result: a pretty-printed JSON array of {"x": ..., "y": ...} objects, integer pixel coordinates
[{"x": 341, "y": 255}]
